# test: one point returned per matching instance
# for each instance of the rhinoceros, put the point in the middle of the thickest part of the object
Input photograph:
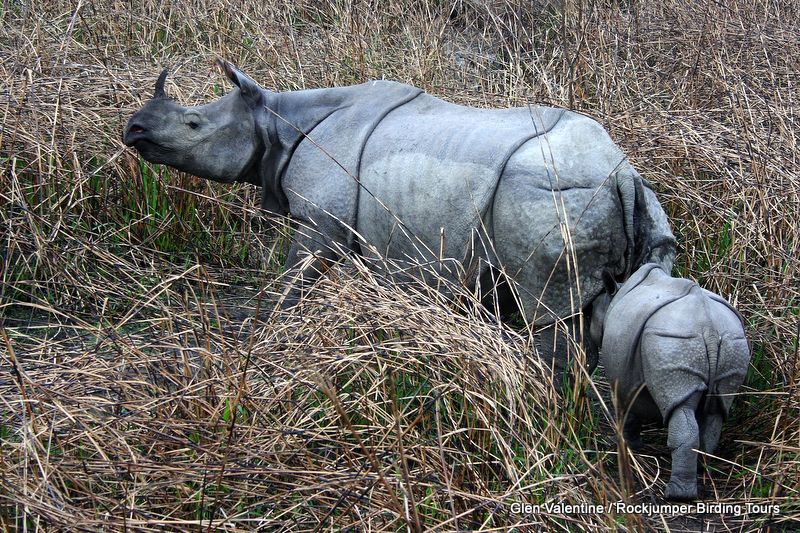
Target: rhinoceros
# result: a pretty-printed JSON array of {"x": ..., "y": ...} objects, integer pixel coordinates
[
  {"x": 675, "y": 353},
  {"x": 385, "y": 169}
]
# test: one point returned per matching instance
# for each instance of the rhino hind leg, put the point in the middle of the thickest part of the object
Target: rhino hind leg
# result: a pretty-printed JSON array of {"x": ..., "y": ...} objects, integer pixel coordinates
[
  {"x": 632, "y": 432},
  {"x": 497, "y": 293},
  {"x": 683, "y": 440},
  {"x": 710, "y": 429},
  {"x": 560, "y": 346},
  {"x": 734, "y": 357}
]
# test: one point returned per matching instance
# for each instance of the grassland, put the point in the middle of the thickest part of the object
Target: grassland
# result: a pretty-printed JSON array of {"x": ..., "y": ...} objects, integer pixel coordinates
[{"x": 146, "y": 384}]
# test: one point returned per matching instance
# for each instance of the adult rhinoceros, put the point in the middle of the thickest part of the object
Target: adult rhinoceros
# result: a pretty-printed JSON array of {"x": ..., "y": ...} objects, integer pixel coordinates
[{"x": 383, "y": 168}]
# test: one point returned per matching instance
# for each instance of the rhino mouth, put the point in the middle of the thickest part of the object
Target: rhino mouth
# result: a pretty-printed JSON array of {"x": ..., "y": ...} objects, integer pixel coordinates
[
  {"x": 135, "y": 134},
  {"x": 151, "y": 150}
]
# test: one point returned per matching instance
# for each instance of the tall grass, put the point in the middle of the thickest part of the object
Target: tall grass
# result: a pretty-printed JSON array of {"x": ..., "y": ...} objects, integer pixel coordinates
[{"x": 147, "y": 384}]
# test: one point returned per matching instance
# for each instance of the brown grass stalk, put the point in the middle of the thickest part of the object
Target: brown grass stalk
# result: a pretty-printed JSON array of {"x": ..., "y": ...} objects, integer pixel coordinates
[{"x": 147, "y": 383}]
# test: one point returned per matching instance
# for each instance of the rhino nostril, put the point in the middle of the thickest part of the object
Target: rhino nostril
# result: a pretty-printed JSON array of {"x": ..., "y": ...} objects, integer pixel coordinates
[{"x": 137, "y": 129}]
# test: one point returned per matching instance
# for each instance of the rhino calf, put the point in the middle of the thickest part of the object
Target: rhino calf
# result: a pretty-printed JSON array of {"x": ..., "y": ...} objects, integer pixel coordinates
[{"x": 675, "y": 353}]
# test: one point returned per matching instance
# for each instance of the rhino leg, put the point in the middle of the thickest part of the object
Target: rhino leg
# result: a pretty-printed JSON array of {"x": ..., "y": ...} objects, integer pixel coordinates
[
  {"x": 553, "y": 347},
  {"x": 683, "y": 439},
  {"x": 558, "y": 345},
  {"x": 733, "y": 359},
  {"x": 304, "y": 266},
  {"x": 710, "y": 429},
  {"x": 632, "y": 432},
  {"x": 497, "y": 293}
]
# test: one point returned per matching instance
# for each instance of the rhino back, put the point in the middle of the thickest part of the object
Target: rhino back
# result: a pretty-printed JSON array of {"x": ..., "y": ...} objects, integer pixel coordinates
[
  {"x": 322, "y": 177},
  {"x": 705, "y": 316},
  {"x": 635, "y": 309},
  {"x": 692, "y": 342},
  {"x": 430, "y": 171},
  {"x": 679, "y": 348}
]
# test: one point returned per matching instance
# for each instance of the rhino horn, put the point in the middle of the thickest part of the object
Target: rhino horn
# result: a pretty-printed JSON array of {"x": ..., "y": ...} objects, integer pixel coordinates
[{"x": 159, "y": 92}]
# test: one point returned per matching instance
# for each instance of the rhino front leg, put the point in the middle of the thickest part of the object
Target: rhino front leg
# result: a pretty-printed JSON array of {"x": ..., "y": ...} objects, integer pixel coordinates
[
  {"x": 304, "y": 266},
  {"x": 683, "y": 439}
]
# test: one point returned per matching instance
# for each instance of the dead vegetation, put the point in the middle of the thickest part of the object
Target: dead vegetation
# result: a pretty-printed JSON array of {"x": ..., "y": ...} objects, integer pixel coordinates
[{"x": 147, "y": 385}]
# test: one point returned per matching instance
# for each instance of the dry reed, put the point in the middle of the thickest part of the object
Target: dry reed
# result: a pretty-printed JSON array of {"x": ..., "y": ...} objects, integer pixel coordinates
[{"x": 147, "y": 383}]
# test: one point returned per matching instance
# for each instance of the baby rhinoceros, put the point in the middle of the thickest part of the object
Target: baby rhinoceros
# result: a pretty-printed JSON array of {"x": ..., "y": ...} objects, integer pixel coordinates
[{"x": 675, "y": 353}]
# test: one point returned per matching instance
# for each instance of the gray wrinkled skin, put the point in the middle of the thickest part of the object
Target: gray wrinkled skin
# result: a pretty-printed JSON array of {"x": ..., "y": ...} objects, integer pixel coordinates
[
  {"x": 384, "y": 169},
  {"x": 676, "y": 354}
]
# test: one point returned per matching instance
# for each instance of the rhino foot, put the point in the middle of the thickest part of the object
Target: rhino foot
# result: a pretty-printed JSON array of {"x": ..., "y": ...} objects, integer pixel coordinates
[{"x": 680, "y": 490}]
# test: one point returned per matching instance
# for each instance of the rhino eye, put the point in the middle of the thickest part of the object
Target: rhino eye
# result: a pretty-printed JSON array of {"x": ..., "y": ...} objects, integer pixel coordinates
[{"x": 194, "y": 125}]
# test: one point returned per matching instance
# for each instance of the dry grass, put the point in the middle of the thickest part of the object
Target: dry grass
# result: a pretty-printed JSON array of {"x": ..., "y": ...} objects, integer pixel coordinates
[{"x": 147, "y": 385}]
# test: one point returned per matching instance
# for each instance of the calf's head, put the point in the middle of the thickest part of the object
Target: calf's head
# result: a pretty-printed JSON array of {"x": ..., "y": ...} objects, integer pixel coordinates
[{"x": 219, "y": 141}]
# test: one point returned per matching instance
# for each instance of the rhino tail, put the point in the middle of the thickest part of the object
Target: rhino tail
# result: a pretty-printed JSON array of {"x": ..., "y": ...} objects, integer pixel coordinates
[
  {"x": 649, "y": 237},
  {"x": 710, "y": 404},
  {"x": 733, "y": 358},
  {"x": 627, "y": 190}
]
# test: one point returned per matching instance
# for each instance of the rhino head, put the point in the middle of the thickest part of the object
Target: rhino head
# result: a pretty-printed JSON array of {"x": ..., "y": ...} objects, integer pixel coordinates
[{"x": 222, "y": 141}]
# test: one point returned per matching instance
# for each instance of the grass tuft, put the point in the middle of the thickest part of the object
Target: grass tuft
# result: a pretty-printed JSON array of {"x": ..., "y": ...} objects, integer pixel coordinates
[{"x": 148, "y": 384}]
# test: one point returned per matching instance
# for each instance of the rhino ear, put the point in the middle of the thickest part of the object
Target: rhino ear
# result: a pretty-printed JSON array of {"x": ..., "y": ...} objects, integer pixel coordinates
[
  {"x": 250, "y": 90},
  {"x": 609, "y": 283}
]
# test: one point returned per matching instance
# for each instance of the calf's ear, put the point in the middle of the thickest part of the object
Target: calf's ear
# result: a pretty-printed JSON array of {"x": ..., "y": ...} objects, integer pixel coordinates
[
  {"x": 250, "y": 90},
  {"x": 609, "y": 283}
]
